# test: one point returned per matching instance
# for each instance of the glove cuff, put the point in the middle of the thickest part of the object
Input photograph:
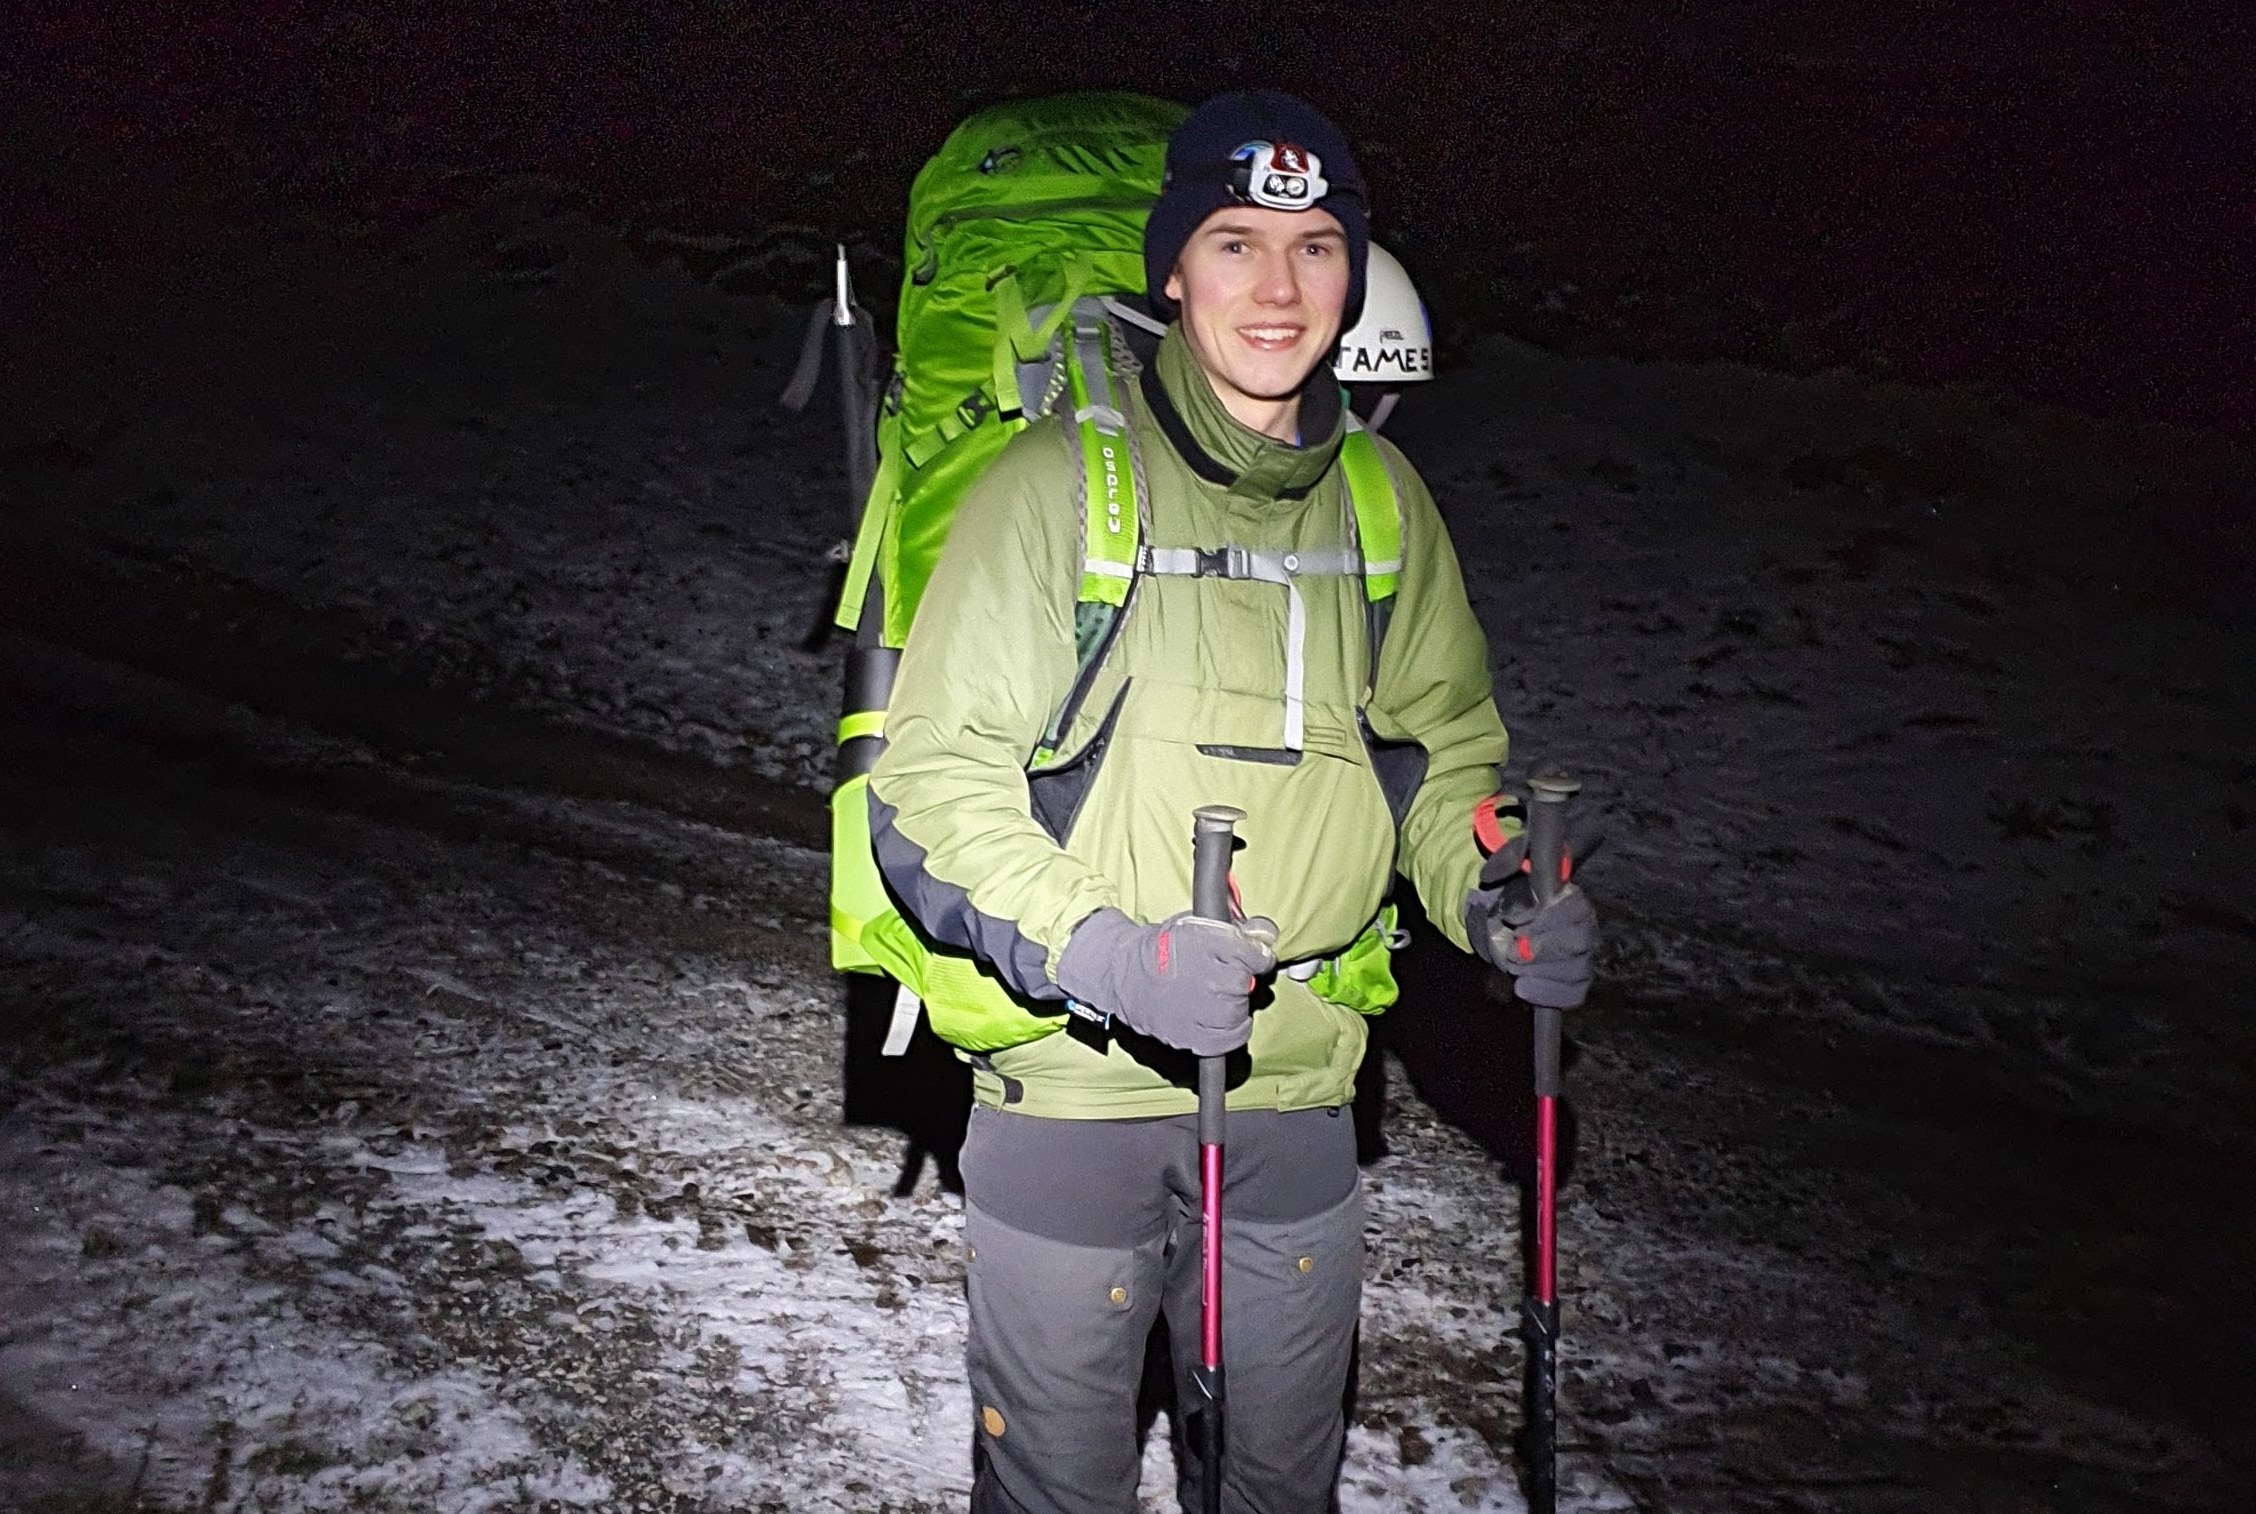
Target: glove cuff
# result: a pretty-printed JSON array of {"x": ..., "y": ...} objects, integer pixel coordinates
[
  {"x": 1089, "y": 966},
  {"x": 1479, "y": 907}
]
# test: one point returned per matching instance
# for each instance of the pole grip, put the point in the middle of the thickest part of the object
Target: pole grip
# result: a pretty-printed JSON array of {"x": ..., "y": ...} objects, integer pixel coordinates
[
  {"x": 1547, "y": 833},
  {"x": 1547, "y": 863},
  {"x": 1214, "y": 833},
  {"x": 1213, "y": 1088}
]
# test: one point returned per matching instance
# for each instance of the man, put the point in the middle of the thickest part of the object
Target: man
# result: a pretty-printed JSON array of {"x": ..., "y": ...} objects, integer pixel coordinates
[{"x": 1070, "y": 883}]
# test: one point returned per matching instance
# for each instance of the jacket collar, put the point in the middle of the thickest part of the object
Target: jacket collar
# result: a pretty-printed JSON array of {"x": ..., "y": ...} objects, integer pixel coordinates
[{"x": 1223, "y": 450}]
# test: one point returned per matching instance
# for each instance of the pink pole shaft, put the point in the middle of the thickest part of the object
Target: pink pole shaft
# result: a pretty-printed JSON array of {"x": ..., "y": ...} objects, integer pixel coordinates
[{"x": 1210, "y": 1290}]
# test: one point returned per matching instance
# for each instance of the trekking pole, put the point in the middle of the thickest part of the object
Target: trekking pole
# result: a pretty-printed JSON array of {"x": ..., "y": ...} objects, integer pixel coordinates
[
  {"x": 1213, "y": 834},
  {"x": 1539, "y": 1315}
]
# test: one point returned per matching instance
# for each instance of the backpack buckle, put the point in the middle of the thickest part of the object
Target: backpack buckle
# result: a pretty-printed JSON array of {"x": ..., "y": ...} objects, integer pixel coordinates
[{"x": 1224, "y": 562}]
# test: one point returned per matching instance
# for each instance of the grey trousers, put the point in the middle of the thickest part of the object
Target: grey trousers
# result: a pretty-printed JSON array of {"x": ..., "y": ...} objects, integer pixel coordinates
[{"x": 1082, "y": 1233}]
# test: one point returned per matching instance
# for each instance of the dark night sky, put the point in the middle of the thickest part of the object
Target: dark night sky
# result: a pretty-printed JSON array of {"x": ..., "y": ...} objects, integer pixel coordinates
[{"x": 2055, "y": 197}]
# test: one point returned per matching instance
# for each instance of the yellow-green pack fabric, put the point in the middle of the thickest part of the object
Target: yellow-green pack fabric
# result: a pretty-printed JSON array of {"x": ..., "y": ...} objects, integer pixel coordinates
[
  {"x": 1362, "y": 977},
  {"x": 1025, "y": 206}
]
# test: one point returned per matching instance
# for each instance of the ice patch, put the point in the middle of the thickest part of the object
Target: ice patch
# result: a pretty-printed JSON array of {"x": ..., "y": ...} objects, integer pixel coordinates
[{"x": 147, "y": 1356}]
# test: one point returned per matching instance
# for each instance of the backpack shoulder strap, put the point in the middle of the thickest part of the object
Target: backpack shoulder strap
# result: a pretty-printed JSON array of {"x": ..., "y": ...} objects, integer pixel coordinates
[
  {"x": 1378, "y": 511},
  {"x": 1112, "y": 485},
  {"x": 1114, "y": 503},
  {"x": 1378, "y": 529}
]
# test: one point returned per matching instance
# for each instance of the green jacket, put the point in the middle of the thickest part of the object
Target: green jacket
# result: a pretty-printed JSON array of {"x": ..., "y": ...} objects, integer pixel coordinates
[{"x": 1187, "y": 709}]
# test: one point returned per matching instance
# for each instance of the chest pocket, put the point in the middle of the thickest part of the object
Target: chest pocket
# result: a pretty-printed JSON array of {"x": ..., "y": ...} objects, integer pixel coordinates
[
  {"x": 1116, "y": 556},
  {"x": 1284, "y": 569}
]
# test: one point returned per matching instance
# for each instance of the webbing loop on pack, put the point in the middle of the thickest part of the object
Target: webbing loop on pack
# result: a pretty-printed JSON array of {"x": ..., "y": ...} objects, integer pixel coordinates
[
  {"x": 972, "y": 409},
  {"x": 1092, "y": 356},
  {"x": 869, "y": 533},
  {"x": 1106, "y": 419},
  {"x": 1019, "y": 340}
]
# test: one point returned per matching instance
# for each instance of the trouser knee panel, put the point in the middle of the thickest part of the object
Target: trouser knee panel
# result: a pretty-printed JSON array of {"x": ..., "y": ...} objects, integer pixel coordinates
[
  {"x": 1291, "y": 1295},
  {"x": 1055, "y": 1353}
]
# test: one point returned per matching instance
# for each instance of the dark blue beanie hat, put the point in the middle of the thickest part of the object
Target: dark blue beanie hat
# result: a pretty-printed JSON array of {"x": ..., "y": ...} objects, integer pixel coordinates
[{"x": 1255, "y": 147}]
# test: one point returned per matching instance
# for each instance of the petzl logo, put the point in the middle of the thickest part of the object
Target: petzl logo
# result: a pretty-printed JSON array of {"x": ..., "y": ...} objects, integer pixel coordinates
[{"x": 1281, "y": 175}]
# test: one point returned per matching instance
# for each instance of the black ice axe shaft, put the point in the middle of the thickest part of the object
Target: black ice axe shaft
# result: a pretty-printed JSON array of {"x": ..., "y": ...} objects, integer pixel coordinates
[
  {"x": 1539, "y": 1315},
  {"x": 843, "y": 326},
  {"x": 855, "y": 400},
  {"x": 1213, "y": 834}
]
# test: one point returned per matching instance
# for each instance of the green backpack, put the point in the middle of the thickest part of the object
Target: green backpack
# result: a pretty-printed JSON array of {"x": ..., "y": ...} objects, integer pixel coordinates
[{"x": 1025, "y": 238}]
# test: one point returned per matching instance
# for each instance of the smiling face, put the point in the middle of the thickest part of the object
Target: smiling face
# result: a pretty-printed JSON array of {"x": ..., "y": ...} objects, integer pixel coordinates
[{"x": 1262, "y": 294}]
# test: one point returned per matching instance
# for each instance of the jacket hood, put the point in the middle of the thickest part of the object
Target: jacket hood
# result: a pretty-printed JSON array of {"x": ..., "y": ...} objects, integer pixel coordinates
[{"x": 1224, "y": 450}]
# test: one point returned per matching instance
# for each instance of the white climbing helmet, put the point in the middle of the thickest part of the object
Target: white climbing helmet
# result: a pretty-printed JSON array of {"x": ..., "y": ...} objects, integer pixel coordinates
[{"x": 1393, "y": 342}]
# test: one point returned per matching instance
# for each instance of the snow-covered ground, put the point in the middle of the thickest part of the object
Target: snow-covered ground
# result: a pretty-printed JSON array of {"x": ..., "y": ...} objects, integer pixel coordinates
[{"x": 419, "y": 1081}]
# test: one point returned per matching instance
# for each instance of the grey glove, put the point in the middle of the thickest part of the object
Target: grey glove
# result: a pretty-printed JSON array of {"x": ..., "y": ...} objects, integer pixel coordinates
[
  {"x": 1186, "y": 981},
  {"x": 1550, "y": 950}
]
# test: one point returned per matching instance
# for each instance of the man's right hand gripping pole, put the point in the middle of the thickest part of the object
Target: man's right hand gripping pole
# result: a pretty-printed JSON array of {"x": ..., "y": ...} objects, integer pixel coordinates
[{"x": 1187, "y": 981}]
